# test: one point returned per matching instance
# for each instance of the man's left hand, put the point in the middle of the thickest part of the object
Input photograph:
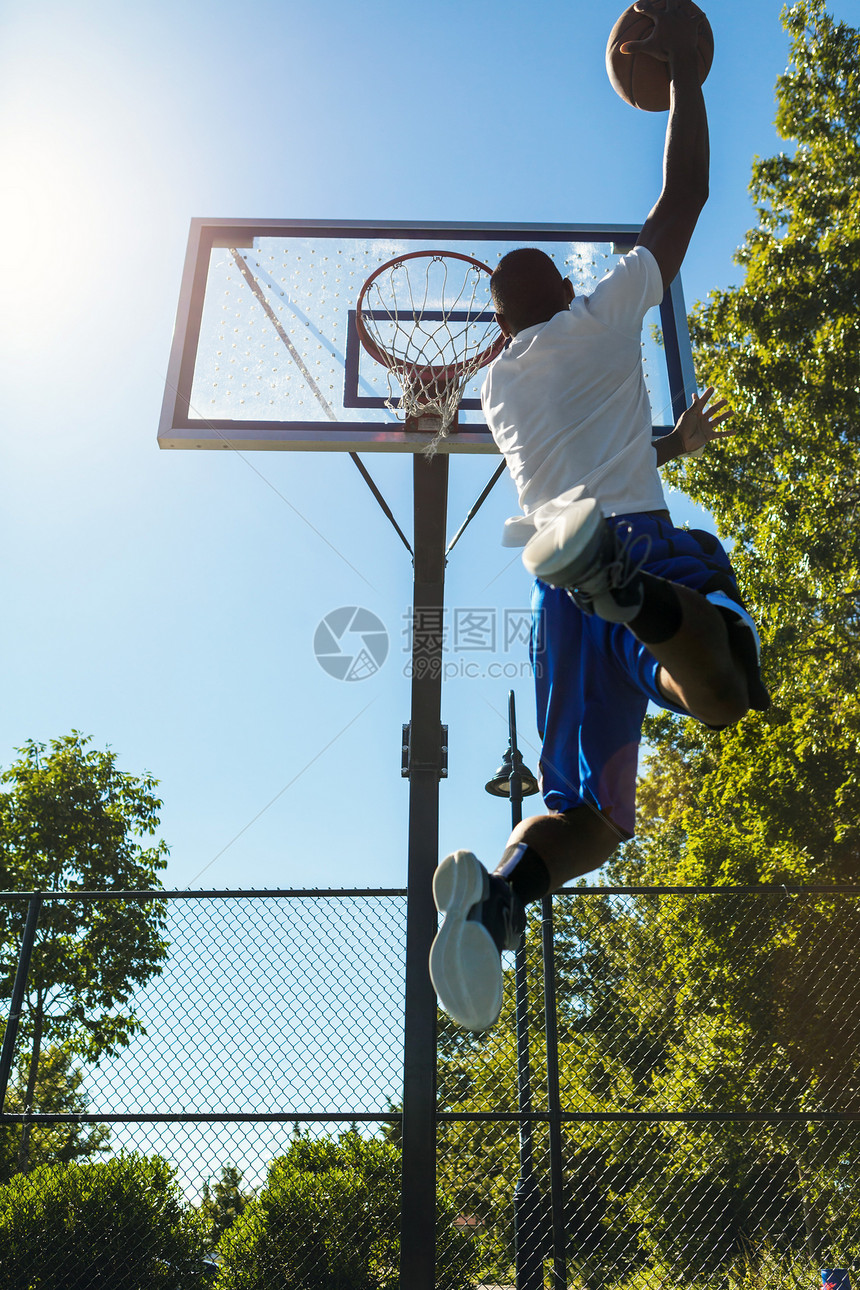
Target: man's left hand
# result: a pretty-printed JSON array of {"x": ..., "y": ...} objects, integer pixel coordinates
[{"x": 698, "y": 425}]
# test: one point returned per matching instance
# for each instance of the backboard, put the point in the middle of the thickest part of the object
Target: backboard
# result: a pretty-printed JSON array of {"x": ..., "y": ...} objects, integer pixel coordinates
[{"x": 266, "y": 355}]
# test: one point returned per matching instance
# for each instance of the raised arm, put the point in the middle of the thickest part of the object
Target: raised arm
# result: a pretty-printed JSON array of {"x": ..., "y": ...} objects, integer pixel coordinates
[{"x": 669, "y": 227}]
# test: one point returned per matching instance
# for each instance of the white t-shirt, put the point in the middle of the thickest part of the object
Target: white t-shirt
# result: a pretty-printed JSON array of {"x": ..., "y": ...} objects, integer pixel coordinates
[{"x": 567, "y": 405}]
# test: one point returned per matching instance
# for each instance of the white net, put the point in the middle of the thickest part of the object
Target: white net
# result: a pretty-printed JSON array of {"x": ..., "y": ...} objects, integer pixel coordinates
[{"x": 428, "y": 319}]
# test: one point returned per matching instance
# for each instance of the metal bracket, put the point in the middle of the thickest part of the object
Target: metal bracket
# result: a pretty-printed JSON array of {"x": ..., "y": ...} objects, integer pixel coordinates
[{"x": 406, "y": 763}]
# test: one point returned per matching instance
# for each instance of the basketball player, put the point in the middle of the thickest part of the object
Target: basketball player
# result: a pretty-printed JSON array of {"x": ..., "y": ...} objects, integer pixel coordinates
[{"x": 626, "y": 607}]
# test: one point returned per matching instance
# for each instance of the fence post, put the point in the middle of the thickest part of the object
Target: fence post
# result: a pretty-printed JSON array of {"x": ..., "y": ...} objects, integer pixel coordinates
[
  {"x": 556, "y": 1163},
  {"x": 529, "y": 1233},
  {"x": 11, "y": 1034}
]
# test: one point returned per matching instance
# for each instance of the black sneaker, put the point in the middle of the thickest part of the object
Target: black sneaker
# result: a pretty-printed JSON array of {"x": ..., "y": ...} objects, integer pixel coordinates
[
  {"x": 595, "y": 562},
  {"x": 483, "y": 916}
]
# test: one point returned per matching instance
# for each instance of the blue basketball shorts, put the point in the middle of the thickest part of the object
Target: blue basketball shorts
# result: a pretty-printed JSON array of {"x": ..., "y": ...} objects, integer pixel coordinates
[{"x": 594, "y": 679}]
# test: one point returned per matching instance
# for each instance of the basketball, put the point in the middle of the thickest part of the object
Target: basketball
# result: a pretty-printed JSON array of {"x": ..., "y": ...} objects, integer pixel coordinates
[{"x": 643, "y": 81}]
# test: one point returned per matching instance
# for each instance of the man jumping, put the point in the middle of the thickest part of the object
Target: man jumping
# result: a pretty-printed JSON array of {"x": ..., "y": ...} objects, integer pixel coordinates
[{"x": 626, "y": 608}]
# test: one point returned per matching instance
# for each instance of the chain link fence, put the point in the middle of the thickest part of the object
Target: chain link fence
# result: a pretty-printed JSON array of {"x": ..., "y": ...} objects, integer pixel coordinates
[{"x": 671, "y": 1096}]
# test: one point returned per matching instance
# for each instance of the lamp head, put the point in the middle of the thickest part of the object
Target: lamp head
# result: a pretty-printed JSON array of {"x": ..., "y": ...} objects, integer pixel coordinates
[{"x": 500, "y": 784}]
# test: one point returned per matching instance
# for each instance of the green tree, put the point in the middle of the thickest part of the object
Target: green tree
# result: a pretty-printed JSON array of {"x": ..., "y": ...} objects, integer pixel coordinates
[
  {"x": 732, "y": 1002},
  {"x": 669, "y": 1004},
  {"x": 58, "y": 1091},
  {"x": 764, "y": 1012},
  {"x": 776, "y": 798},
  {"x": 784, "y": 348},
  {"x": 71, "y": 820},
  {"x": 222, "y": 1204}
]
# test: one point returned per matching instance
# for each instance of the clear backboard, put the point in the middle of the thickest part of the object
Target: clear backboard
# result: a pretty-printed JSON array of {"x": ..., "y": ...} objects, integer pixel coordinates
[{"x": 266, "y": 354}]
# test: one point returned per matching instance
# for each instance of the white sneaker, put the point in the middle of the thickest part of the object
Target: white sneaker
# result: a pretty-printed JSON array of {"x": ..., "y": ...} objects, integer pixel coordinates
[
  {"x": 483, "y": 916},
  {"x": 583, "y": 554}
]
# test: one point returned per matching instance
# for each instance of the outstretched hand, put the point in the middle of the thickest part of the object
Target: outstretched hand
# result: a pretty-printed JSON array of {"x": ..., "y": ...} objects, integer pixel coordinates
[
  {"x": 676, "y": 25},
  {"x": 698, "y": 425}
]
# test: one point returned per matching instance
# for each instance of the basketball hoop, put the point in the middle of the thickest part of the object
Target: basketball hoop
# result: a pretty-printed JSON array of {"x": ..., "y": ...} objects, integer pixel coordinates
[{"x": 431, "y": 332}]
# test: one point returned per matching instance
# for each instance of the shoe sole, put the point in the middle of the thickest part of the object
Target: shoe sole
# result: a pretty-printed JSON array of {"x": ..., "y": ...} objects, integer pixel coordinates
[
  {"x": 465, "y": 965},
  {"x": 553, "y": 553}
]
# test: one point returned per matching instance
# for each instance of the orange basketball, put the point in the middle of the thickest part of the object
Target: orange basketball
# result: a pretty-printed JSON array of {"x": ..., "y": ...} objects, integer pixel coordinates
[{"x": 643, "y": 81}]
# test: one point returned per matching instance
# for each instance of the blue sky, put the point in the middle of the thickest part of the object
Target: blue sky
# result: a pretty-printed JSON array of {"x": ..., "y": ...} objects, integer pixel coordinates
[{"x": 166, "y": 603}]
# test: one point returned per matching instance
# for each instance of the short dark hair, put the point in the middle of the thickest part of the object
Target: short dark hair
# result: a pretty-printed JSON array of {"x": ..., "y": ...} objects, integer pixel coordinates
[{"x": 527, "y": 288}]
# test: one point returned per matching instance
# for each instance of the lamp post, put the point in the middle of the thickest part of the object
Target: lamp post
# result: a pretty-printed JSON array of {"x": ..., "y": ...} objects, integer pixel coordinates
[{"x": 514, "y": 780}]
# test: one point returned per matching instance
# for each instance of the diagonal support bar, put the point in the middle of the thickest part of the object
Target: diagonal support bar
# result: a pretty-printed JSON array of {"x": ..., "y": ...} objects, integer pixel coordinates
[
  {"x": 10, "y": 1036},
  {"x": 497, "y": 474}
]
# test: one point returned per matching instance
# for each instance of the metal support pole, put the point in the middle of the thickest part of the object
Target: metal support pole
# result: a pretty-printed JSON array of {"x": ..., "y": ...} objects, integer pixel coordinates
[
  {"x": 10, "y": 1036},
  {"x": 556, "y": 1161},
  {"x": 418, "y": 1218},
  {"x": 528, "y": 1206}
]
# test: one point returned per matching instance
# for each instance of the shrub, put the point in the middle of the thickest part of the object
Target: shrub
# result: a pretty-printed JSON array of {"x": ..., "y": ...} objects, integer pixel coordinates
[
  {"x": 118, "y": 1224},
  {"x": 328, "y": 1218}
]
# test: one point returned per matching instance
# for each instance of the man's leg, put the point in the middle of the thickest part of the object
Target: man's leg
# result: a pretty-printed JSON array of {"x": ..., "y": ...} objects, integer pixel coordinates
[
  {"x": 703, "y": 670},
  {"x": 485, "y": 913},
  {"x": 700, "y": 670},
  {"x": 564, "y": 845},
  {"x": 589, "y": 718}
]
